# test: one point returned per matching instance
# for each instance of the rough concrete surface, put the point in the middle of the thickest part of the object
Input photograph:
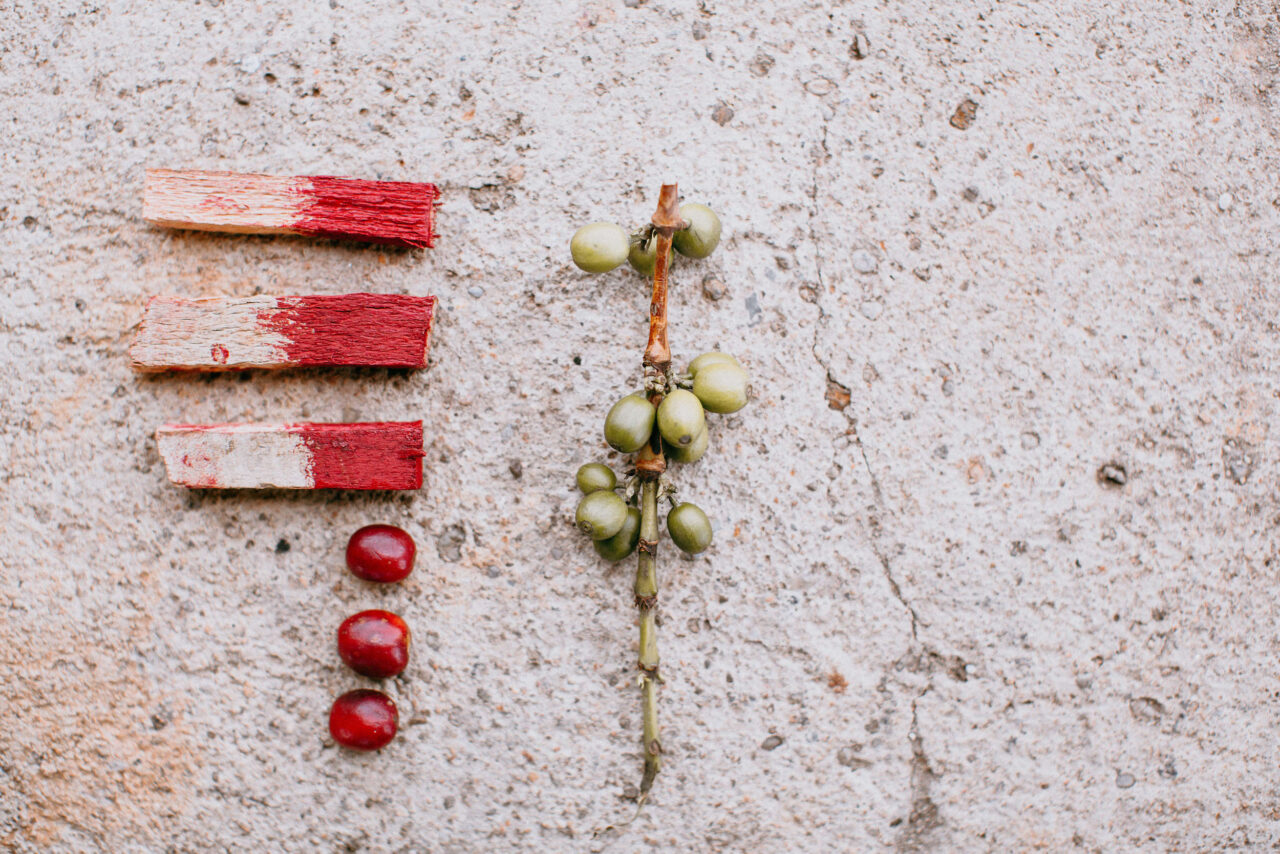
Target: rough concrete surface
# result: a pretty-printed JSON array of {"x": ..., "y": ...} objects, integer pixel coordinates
[{"x": 996, "y": 541}]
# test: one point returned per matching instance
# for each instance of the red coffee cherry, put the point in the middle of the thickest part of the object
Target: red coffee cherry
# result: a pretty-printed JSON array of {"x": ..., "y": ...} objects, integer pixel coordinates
[
  {"x": 381, "y": 553},
  {"x": 374, "y": 643},
  {"x": 363, "y": 720}
]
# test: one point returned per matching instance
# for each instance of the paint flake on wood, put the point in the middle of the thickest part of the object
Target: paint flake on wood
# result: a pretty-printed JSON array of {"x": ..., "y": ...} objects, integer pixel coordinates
[
  {"x": 224, "y": 333},
  {"x": 374, "y": 455},
  {"x": 398, "y": 213}
]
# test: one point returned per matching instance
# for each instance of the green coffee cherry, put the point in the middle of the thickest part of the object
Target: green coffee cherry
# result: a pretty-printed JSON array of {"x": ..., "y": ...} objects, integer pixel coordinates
[
  {"x": 693, "y": 452},
  {"x": 629, "y": 424},
  {"x": 680, "y": 418},
  {"x": 703, "y": 234},
  {"x": 689, "y": 527},
  {"x": 594, "y": 477},
  {"x": 599, "y": 247},
  {"x": 601, "y": 514},
  {"x": 707, "y": 359},
  {"x": 721, "y": 387},
  {"x": 624, "y": 542},
  {"x": 642, "y": 255}
]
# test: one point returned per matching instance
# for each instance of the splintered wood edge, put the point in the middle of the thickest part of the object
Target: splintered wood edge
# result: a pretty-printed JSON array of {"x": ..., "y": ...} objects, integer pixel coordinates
[
  {"x": 374, "y": 455},
  {"x": 271, "y": 332},
  {"x": 399, "y": 213}
]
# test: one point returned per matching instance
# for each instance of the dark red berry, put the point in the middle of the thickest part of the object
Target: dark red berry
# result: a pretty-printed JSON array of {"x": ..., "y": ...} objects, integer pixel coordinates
[
  {"x": 381, "y": 553},
  {"x": 374, "y": 643},
  {"x": 363, "y": 720}
]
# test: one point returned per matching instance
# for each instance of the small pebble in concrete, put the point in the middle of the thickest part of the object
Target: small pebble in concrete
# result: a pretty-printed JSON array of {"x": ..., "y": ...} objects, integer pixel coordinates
[
  {"x": 871, "y": 309},
  {"x": 1112, "y": 475},
  {"x": 771, "y": 742},
  {"x": 723, "y": 114},
  {"x": 476, "y": 291},
  {"x": 1030, "y": 440},
  {"x": 964, "y": 114},
  {"x": 516, "y": 468},
  {"x": 449, "y": 543},
  {"x": 762, "y": 64},
  {"x": 861, "y": 48},
  {"x": 713, "y": 288},
  {"x": 1225, "y": 201},
  {"x": 1124, "y": 779},
  {"x": 849, "y": 758},
  {"x": 838, "y": 395},
  {"x": 864, "y": 261},
  {"x": 820, "y": 86}
]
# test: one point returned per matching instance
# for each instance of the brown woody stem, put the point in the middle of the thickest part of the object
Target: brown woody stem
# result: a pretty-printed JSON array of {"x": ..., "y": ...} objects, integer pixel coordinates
[{"x": 649, "y": 466}]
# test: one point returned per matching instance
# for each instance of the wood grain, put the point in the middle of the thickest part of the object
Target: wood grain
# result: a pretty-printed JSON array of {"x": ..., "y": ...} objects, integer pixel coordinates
[{"x": 268, "y": 332}]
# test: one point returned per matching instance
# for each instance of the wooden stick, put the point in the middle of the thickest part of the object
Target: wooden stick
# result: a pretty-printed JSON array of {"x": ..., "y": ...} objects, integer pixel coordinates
[
  {"x": 376, "y": 455},
  {"x": 224, "y": 334},
  {"x": 391, "y": 212}
]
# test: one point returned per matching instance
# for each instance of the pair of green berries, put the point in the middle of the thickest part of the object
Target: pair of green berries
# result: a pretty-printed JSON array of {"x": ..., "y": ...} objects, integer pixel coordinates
[
  {"x": 615, "y": 528},
  {"x": 602, "y": 246},
  {"x": 717, "y": 383}
]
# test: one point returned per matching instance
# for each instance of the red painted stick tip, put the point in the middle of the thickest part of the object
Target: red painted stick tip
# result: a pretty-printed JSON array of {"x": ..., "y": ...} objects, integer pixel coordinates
[
  {"x": 354, "y": 329},
  {"x": 397, "y": 213}
]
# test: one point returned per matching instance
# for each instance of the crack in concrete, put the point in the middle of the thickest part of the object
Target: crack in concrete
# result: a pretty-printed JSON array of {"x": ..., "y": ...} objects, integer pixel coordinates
[
  {"x": 923, "y": 818},
  {"x": 853, "y": 425}
]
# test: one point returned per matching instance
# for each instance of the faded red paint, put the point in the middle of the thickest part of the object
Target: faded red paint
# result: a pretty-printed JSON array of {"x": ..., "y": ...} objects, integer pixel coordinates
[
  {"x": 399, "y": 213},
  {"x": 376, "y": 455},
  {"x": 354, "y": 329}
]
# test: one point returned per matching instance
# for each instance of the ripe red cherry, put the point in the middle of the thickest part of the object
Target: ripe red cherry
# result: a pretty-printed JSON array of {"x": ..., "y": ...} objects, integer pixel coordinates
[
  {"x": 363, "y": 720},
  {"x": 374, "y": 643},
  {"x": 381, "y": 553}
]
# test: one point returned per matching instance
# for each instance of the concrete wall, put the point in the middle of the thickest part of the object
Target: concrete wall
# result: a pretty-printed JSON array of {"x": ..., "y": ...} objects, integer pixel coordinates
[{"x": 996, "y": 545}]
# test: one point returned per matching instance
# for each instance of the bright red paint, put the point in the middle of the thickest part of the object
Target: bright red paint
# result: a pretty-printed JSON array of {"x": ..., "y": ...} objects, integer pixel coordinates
[
  {"x": 399, "y": 213},
  {"x": 354, "y": 329},
  {"x": 373, "y": 455},
  {"x": 382, "y": 553},
  {"x": 374, "y": 643},
  {"x": 363, "y": 720}
]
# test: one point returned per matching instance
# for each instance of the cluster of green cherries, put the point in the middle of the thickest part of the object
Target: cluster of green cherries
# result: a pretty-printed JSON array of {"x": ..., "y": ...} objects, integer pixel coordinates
[
  {"x": 603, "y": 246},
  {"x": 714, "y": 382}
]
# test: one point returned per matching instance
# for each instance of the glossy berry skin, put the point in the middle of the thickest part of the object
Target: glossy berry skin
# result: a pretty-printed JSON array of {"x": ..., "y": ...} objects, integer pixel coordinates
[
  {"x": 374, "y": 643},
  {"x": 689, "y": 527},
  {"x": 601, "y": 515},
  {"x": 629, "y": 424},
  {"x": 706, "y": 360},
  {"x": 692, "y": 452},
  {"x": 594, "y": 477},
  {"x": 681, "y": 418},
  {"x": 624, "y": 542},
  {"x": 703, "y": 234},
  {"x": 363, "y": 720},
  {"x": 644, "y": 256},
  {"x": 721, "y": 388},
  {"x": 599, "y": 247},
  {"x": 381, "y": 553}
]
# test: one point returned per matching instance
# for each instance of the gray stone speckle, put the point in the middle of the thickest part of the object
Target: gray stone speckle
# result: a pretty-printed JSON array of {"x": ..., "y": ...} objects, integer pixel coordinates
[
  {"x": 449, "y": 543},
  {"x": 864, "y": 262},
  {"x": 475, "y": 291}
]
